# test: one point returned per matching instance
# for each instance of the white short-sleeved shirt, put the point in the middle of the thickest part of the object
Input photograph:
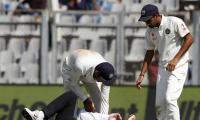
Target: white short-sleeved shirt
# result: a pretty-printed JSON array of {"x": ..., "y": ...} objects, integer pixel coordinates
[
  {"x": 167, "y": 39},
  {"x": 79, "y": 66},
  {"x": 83, "y": 63},
  {"x": 83, "y": 115}
]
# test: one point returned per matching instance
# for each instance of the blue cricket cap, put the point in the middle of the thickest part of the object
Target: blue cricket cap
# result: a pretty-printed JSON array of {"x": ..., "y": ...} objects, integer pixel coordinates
[
  {"x": 107, "y": 72},
  {"x": 148, "y": 11}
]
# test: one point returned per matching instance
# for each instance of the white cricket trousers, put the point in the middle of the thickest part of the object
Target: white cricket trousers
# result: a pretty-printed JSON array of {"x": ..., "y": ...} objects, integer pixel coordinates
[{"x": 168, "y": 89}]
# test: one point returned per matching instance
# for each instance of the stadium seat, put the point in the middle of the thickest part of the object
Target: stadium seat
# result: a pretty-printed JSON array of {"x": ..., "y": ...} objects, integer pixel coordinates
[
  {"x": 139, "y": 32},
  {"x": 12, "y": 73},
  {"x": 32, "y": 73},
  {"x": 58, "y": 73},
  {"x": 27, "y": 58},
  {"x": 170, "y": 5},
  {"x": 105, "y": 20},
  {"x": 34, "y": 46},
  {"x": 86, "y": 33},
  {"x": 2, "y": 44},
  {"x": 76, "y": 44},
  {"x": 86, "y": 19},
  {"x": 99, "y": 46},
  {"x": 61, "y": 47},
  {"x": 5, "y": 28},
  {"x": 6, "y": 58},
  {"x": 36, "y": 31},
  {"x": 136, "y": 7},
  {"x": 110, "y": 54},
  {"x": 127, "y": 4},
  {"x": 3, "y": 80},
  {"x": 144, "y": 2},
  {"x": 23, "y": 29},
  {"x": 130, "y": 20},
  {"x": 160, "y": 6},
  {"x": 117, "y": 7},
  {"x": 17, "y": 46},
  {"x": 65, "y": 31},
  {"x": 137, "y": 51},
  {"x": 65, "y": 54},
  {"x": 51, "y": 69},
  {"x": 59, "y": 80}
]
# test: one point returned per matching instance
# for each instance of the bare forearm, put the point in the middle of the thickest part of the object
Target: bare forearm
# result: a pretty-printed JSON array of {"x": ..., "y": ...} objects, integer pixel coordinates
[
  {"x": 147, "y": 61},
  {"x": 185, "y": 46}
]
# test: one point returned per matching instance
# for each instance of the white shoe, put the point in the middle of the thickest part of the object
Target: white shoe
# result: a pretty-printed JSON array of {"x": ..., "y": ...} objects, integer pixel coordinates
[{"x": 32, "y": 115}]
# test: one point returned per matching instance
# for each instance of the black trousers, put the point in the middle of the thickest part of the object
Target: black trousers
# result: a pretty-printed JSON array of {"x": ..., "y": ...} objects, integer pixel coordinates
[{"x": 63, "y": 107}]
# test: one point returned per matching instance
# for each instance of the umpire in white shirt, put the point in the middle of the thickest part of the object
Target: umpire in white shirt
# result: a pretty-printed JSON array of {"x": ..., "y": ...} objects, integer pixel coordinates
[
  {"x": 94, "y": 72},
  {"x": 171, "y": 37}
]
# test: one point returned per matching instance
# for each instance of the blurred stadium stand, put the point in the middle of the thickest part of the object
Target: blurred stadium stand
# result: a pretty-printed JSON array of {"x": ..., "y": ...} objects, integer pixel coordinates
[{"x": 32, "y": 46}]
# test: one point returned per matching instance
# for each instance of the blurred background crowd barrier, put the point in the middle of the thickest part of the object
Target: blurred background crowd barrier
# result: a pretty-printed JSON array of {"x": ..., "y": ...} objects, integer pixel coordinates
[{"x": 37, "y": 34}]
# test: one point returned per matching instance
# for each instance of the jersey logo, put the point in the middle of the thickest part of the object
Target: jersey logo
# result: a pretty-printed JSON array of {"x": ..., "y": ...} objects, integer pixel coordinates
[
  {"x": 167, "y": 31},
  {"x": 153, "y": 36},
  {"x": 183, "y": 27}
]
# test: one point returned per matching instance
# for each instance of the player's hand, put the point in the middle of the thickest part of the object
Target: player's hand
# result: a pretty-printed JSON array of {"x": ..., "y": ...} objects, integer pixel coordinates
[
  {"x": 139, "y": 81},
  {"x": 132, "y": 117},
  {"x": 115, "y": 116},
  {"x": 89, "y": 105},
  {"x": 171, "y": 65}
]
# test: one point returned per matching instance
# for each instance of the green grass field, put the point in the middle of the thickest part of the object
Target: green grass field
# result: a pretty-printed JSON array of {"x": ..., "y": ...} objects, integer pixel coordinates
[{"x": 13, "y": 98}]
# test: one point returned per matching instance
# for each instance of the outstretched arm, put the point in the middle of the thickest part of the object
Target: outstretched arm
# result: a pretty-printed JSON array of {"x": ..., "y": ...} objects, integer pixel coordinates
[{"x": 147, "y": 60}]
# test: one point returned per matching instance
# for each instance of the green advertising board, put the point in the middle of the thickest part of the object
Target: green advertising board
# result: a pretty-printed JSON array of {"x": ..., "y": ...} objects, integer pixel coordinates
[{"x": 126, "y": 100}]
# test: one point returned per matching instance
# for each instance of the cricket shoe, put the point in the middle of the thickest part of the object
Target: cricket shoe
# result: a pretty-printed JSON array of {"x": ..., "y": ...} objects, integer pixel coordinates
[{"x": 32, "y": 115}]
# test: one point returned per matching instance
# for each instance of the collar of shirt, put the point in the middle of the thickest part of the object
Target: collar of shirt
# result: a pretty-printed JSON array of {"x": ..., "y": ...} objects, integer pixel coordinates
[{"x": 162, "y": 21}]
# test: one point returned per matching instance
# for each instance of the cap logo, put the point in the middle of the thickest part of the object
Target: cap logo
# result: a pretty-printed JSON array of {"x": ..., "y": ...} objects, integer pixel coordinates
[
  {"x": 143, "y": 12},
  {"x": 110, "y": 76}
]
